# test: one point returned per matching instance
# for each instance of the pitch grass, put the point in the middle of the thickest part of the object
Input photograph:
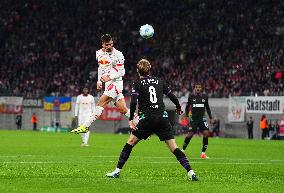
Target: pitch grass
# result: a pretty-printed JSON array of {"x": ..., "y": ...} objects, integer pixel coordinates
[{"x": 55, "y": 162}]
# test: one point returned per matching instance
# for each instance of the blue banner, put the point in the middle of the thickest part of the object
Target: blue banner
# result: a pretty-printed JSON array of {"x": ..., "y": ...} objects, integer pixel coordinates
[{"x": 57, "y": 103}]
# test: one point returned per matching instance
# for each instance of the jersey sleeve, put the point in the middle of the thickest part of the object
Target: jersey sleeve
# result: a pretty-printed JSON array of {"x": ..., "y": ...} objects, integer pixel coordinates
[
  {"x": 118, "y": 70},
  {"x": 77, "y": 106},
  {"x": 100, "y": 70},
  {"x": 133, "y": 101},
  {"x": 135, "y": 89},
  {"x": 188, "y": 104},
  {"x": 166, "y": 89}
]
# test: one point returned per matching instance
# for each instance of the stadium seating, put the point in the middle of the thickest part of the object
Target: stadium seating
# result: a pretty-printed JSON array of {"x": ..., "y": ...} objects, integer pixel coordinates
[{"x": 232, "y": 47}]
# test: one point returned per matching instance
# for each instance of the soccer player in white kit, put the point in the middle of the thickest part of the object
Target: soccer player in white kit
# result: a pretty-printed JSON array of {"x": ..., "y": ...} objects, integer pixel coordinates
[
  {"x": 85, "y": 106},
  {"x": 110, "y": 72}
]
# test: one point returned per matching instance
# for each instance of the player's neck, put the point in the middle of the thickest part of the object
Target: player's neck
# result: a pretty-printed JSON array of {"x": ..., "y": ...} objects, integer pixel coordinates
[
  {"x": 85, "y": 95},
  {"x": 197, "y": 94},
  {"x": 104, "y": 50}
]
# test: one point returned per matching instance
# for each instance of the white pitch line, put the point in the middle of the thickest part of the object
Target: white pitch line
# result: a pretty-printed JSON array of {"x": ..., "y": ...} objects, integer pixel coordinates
[
  {"x": 151, "y": 157},
  {"x": 149, "y": 162}
]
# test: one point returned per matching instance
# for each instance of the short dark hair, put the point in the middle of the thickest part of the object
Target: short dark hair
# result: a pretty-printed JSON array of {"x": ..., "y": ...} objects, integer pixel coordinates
[
  {"x": 197, "y": 83},
  {"x": 143, "y": 67},
  {"x": 106, "y": 38}
]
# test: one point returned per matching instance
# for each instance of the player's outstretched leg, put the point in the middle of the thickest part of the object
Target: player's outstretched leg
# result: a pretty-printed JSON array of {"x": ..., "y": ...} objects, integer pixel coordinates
[
  {"x": 84, "y": 128},
  {"x": 187, "y": 140},
  {"x": 204, "y": 145},
  {"x": 181, "y": 157},
  {"x": 103, "y": 101},
  {"x": 124, "y": 155}
]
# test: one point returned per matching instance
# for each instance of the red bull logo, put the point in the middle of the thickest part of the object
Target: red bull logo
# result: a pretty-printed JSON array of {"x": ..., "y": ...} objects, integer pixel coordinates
[{"x": 103, "y": 61}]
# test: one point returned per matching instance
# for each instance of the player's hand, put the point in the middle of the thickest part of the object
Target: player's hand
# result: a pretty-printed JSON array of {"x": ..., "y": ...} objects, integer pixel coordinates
[
  {"x": 132, "y": 125},
  {"x": 179, "y": 111},
  {"x": 211, "y": 121},
  {"x": 99, "y": 85},
  {"x": 105, "y": 78}
]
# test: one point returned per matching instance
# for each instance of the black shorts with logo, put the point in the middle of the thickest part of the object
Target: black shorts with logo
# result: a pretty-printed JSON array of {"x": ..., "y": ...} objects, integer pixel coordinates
[
  {"x": 159, "y": 126},
  {"x": 200, "y": 125}
]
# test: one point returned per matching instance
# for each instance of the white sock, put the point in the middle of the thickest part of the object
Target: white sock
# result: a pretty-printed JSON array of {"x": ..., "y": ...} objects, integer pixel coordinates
[
  {"x": 83, "y": 137},
  {"x": 202, "y": 152},
  {"x": 191, "y": 172},
  {"x": 117, "y": 170},
  {"x": 128, "y": 113},
  {"x": 94, "y": 116},
  {"x": 86, "y": 139}
]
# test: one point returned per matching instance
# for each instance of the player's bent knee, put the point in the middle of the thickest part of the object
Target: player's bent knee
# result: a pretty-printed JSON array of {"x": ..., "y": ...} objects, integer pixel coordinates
[
  {"x": 190, "y": 134},
  {"x": 133, "y": 140},
  {"x": 206, "y": 133},
  {"x": 103, "y": 101},
  {"x": 123, "y": 111}
]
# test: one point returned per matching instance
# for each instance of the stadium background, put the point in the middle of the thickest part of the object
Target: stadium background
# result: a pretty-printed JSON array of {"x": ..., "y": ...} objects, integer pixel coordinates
[
  {"x": 47, "y": 49},
  {"x": 235, "y": 48}
]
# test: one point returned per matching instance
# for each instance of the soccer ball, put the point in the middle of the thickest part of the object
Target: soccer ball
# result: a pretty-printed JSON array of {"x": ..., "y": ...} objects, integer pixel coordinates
[{"x": 146, "y": 31}]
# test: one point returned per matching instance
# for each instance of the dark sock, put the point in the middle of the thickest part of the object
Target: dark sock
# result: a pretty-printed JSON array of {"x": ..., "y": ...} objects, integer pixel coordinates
[
  {"x": 181, "y": 157},
  {"x": 205, "y": 144},
  {"x": 124, "y": 155},
  {"x": 186, "y": 142}
]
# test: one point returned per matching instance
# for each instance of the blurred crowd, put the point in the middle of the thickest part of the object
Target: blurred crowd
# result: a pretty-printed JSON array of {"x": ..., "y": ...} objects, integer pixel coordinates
[{"x": 232, "y": 47}]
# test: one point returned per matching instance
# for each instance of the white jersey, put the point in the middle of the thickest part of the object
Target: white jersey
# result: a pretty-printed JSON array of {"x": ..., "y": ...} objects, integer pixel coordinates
[
  {"x": 84, "y": 107},
  {"x": 111, "y": 64}
]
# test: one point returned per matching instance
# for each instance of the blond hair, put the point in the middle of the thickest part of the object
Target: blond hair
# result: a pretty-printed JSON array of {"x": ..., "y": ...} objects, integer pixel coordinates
[{"x": 143, "y": 67}]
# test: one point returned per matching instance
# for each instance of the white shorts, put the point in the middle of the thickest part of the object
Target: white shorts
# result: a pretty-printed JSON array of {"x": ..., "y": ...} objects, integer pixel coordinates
[
  {"x": 82, "y": 119},
  {"x": 114, "y": 90}
]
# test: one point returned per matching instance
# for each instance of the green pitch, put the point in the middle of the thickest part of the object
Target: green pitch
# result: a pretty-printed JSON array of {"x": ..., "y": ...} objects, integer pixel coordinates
[{"x": 55, "y": 162}]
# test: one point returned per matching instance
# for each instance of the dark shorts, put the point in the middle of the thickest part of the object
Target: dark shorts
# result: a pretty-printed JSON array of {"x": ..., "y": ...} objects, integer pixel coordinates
[
  {"x": 201, "y": 125},
  {"x": 159, "y": 126}
]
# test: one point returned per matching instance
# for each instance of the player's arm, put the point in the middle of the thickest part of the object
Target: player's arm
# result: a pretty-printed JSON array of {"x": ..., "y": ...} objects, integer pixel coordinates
[
  {"x": 167, "y": 91},
  {"x": 208, "y": 110},
  {"x": 93, "y": 104},
  {"x": 100, "y": 73},
  {"x": 77, "y": 106},
  {"x": 133, "y": 101},
  {"x": 118, "y": 70},
  {"x": 187, "y": 107},
  {"x": 133, "y": 104}
]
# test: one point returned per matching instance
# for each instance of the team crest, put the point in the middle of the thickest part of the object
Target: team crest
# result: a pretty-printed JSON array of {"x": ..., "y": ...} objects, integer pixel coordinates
[{"x": 104, "y": 61}]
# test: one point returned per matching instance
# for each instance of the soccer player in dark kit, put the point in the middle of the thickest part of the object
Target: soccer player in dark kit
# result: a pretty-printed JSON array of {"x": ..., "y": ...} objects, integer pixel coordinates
[
  {"x": 198, "y": 102},
  {"x": 149, "y": 91}
]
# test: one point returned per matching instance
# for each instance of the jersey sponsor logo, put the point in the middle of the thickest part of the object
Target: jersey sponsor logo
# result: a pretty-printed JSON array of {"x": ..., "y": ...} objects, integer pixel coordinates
[
  {"x": 198, "y": 105},
  {"x": 104, "y": 61}
]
